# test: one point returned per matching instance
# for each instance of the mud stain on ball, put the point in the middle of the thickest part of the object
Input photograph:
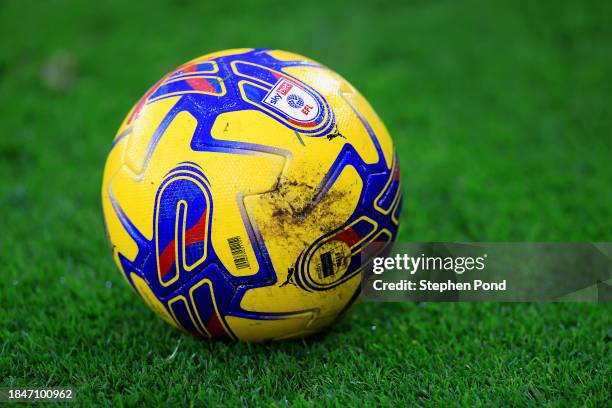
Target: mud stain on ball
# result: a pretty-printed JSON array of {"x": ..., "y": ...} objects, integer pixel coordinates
[{"x": 301, "y": 213}]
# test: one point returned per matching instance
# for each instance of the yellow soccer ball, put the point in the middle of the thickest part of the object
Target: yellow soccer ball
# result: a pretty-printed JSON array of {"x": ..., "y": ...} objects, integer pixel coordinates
[{"x": 243, "y": 191}]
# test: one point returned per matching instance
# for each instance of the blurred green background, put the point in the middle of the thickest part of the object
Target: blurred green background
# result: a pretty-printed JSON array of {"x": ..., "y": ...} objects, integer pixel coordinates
[{"x": 501, "y": 116}]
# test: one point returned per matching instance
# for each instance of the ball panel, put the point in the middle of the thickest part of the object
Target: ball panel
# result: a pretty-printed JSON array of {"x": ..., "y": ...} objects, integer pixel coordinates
[
  {"x": 248, "y": 329},
  {"x": 345, "y": 119},
  {"x": 287, "y": 233},
  {"x": 368, "y": 116},
  {"x": 150, "y": 299},
  {"x": 117, "y": 234},
  {"x": 217, "y": 54},
  {"x": 281, "y": 55},
  {"x": 137, "y": 181}
]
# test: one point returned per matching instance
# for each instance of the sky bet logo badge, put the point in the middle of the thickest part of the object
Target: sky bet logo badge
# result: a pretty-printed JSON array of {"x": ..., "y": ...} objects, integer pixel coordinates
[{"x": 292, "y": 100}]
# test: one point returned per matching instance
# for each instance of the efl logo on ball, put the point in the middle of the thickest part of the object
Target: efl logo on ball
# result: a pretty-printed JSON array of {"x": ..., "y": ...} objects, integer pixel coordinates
[{"x": 292, "y": 100}]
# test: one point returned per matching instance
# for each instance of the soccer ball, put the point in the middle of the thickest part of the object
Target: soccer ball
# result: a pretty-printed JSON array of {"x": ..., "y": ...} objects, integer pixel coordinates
[{"x": 242, "y": 192}]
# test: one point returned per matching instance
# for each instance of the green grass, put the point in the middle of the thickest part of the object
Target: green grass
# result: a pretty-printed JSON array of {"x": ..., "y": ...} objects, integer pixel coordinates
[{"x": 502, "y": 120}]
